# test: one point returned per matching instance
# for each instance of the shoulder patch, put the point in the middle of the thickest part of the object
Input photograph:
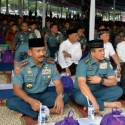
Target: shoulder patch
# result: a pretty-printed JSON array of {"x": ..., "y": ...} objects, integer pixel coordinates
[
  {"x": 50, "y": 61},
  {"x": 87, "y": 60},
  {"x": 17, "y": 70},
  {"x": 23, "y": 64}
]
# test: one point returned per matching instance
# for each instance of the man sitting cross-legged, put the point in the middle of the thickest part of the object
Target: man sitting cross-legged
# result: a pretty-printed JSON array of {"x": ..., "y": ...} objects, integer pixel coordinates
[
  {"x": 96, "y": 79},
  {"x": 30, "y": 83}
]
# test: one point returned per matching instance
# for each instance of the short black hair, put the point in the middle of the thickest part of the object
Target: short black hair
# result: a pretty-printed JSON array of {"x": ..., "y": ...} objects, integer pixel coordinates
[
  {"x": 24, "y": 22},
  {"x": 79, "y": 28},
  {"x": 54, "y": 24},
  {"x": 91, "y": 49},
  {"x": 32, "y": 23},
  {"x": 14, "y": 25}
]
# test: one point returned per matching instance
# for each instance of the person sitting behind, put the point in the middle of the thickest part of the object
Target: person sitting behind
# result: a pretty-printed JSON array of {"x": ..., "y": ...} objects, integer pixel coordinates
[
  {"x": 121, "y": 51},
  {"x": 96, "y": 79},
  {"x": 69, "y": 53},
  {"x": 30, "y": 83},
  {"x": 34, "y": 30},
  {"x": 10, "y": 35}
]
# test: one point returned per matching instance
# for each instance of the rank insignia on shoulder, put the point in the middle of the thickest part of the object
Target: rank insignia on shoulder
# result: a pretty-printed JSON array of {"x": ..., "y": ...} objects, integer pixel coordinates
[
  {"x": 23, "y": 64},
  {"x": 50, "y": 61},
  {"x": 87, "y": 60}
]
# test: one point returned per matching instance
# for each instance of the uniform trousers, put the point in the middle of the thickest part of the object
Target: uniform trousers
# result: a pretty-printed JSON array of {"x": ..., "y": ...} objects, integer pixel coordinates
[
  {"x": 47, "y": 98},
  {"x": 104, "y": 94}
]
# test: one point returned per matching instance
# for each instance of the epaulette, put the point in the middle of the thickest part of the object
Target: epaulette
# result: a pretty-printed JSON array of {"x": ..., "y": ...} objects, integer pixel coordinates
[
  {"x": 23, "y": 64},
  {"x": 50, "y": 61},
  {"x": 87, "y": 60}
]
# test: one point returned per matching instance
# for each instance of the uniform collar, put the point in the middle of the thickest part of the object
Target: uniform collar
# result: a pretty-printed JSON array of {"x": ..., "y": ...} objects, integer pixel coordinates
[
  {"x": 32, "y": 62},
  {"x": 93, "y": 61},
  {"x": 27, "y": 32}
]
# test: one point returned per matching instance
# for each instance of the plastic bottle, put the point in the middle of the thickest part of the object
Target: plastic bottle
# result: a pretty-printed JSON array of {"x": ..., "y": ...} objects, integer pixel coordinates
[
  {"x": 42, "y": 117},
  {"x": 56, "y": 57},
  {"x": 91, "y": 114},
  {"x": 12, "y": 75}
]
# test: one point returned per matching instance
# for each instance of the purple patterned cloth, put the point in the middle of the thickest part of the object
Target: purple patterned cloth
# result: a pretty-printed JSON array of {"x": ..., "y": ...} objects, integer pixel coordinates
[
  {"x": 69, "y": 120},
  {"x": 113, "y": 118}
]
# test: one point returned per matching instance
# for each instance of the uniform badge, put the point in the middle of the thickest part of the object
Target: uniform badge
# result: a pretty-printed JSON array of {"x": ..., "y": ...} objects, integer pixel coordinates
[
  {"x": 31, "y": 36},
  {"x": 49, "y": 77},
  {"x": 29, "y": 86},
  {"x": 17, "y": 70},
  {"x": 21, "y": 38},
  {"x": 103, "y": 66},
  {"x": 46, "y": 71},
  {"x": 29, "y": 71}
]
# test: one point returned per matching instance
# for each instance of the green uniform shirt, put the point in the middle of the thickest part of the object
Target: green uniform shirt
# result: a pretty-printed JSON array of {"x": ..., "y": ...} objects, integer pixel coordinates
[
  {"x": 64, "y": 33},
  {"x": 21, "y": 39},
  {"x": 34, "y": 79},
  {"x": 45, "y": 30},
  {"x": 88, "y": 67},
  {"x": 82, "y": 41}
]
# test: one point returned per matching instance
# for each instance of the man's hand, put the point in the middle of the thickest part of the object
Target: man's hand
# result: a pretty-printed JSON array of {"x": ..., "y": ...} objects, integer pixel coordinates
[
  {"x": 66, "y": 53},
  {"x": 94, "y": 79},
  {"x": 35, "y": 104},
  {"x": 68, "y": 71},
  {"x": 119, "y": 68},
  {"x": 46, "y": 35},
  {"x": 96, "y": 107},
  {"x": 59, "y": 105}
]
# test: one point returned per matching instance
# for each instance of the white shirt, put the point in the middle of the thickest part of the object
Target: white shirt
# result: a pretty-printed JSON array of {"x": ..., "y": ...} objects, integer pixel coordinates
[
  {"x": 109, "y": 50},
  {"x": 73, "y": 49},
  {"x": 121, "y": 51},
  {"x": 37, "y": 33}
]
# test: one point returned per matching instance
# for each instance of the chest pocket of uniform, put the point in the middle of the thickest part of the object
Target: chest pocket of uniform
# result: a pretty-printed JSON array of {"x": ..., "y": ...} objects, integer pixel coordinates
[
  {"x": 90, "y": 73},
  {"x": 102, "y": 72},
  {"x": 29, "y": 81},
  {"x": 46, "y": 78}
]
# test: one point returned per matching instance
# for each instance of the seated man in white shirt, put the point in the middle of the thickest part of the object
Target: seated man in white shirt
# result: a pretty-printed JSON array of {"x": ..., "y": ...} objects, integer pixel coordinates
[
  {"x": 69, "y": 53},
  {"x": 121, "y": 51},
  {"x": 34, "y": 30},
  {"x": 109, "y": 50}
]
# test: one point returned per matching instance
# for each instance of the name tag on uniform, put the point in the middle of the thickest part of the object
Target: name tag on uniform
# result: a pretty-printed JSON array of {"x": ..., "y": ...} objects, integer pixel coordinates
[
  {"x": 46, "y": 71},
  {"x": 103, "y": 66}
]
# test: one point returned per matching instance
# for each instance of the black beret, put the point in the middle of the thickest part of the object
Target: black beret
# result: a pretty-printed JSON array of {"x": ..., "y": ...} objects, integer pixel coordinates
[
  {"x": 103, "y": 31},
  {"x": 38, "y": 42},
  {"x": 96, "y": 44},
  {"x": 71, "y": 31}
]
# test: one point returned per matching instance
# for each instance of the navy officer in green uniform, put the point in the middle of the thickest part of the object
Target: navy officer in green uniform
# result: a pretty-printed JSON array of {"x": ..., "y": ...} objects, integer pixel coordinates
[
  {"x": 81, "y": 39},
  {"x": 20, "y": 43},
  {"x": 53, "y": 40},
  {"x": 96, "y": 79},
  {"x": 46, "y": 29},
  {"x": 31, "y": 80},
  {"x": 64, "y": 29}
]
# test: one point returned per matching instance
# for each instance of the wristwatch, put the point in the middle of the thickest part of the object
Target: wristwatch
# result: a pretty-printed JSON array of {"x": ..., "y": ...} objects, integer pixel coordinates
[
  {"x": 102, "y": 81},
  {"x": 61, "y": 95}
]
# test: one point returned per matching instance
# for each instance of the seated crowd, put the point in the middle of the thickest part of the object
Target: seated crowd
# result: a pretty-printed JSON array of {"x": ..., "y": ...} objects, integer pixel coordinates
[{"x": 36, "y": 50}]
